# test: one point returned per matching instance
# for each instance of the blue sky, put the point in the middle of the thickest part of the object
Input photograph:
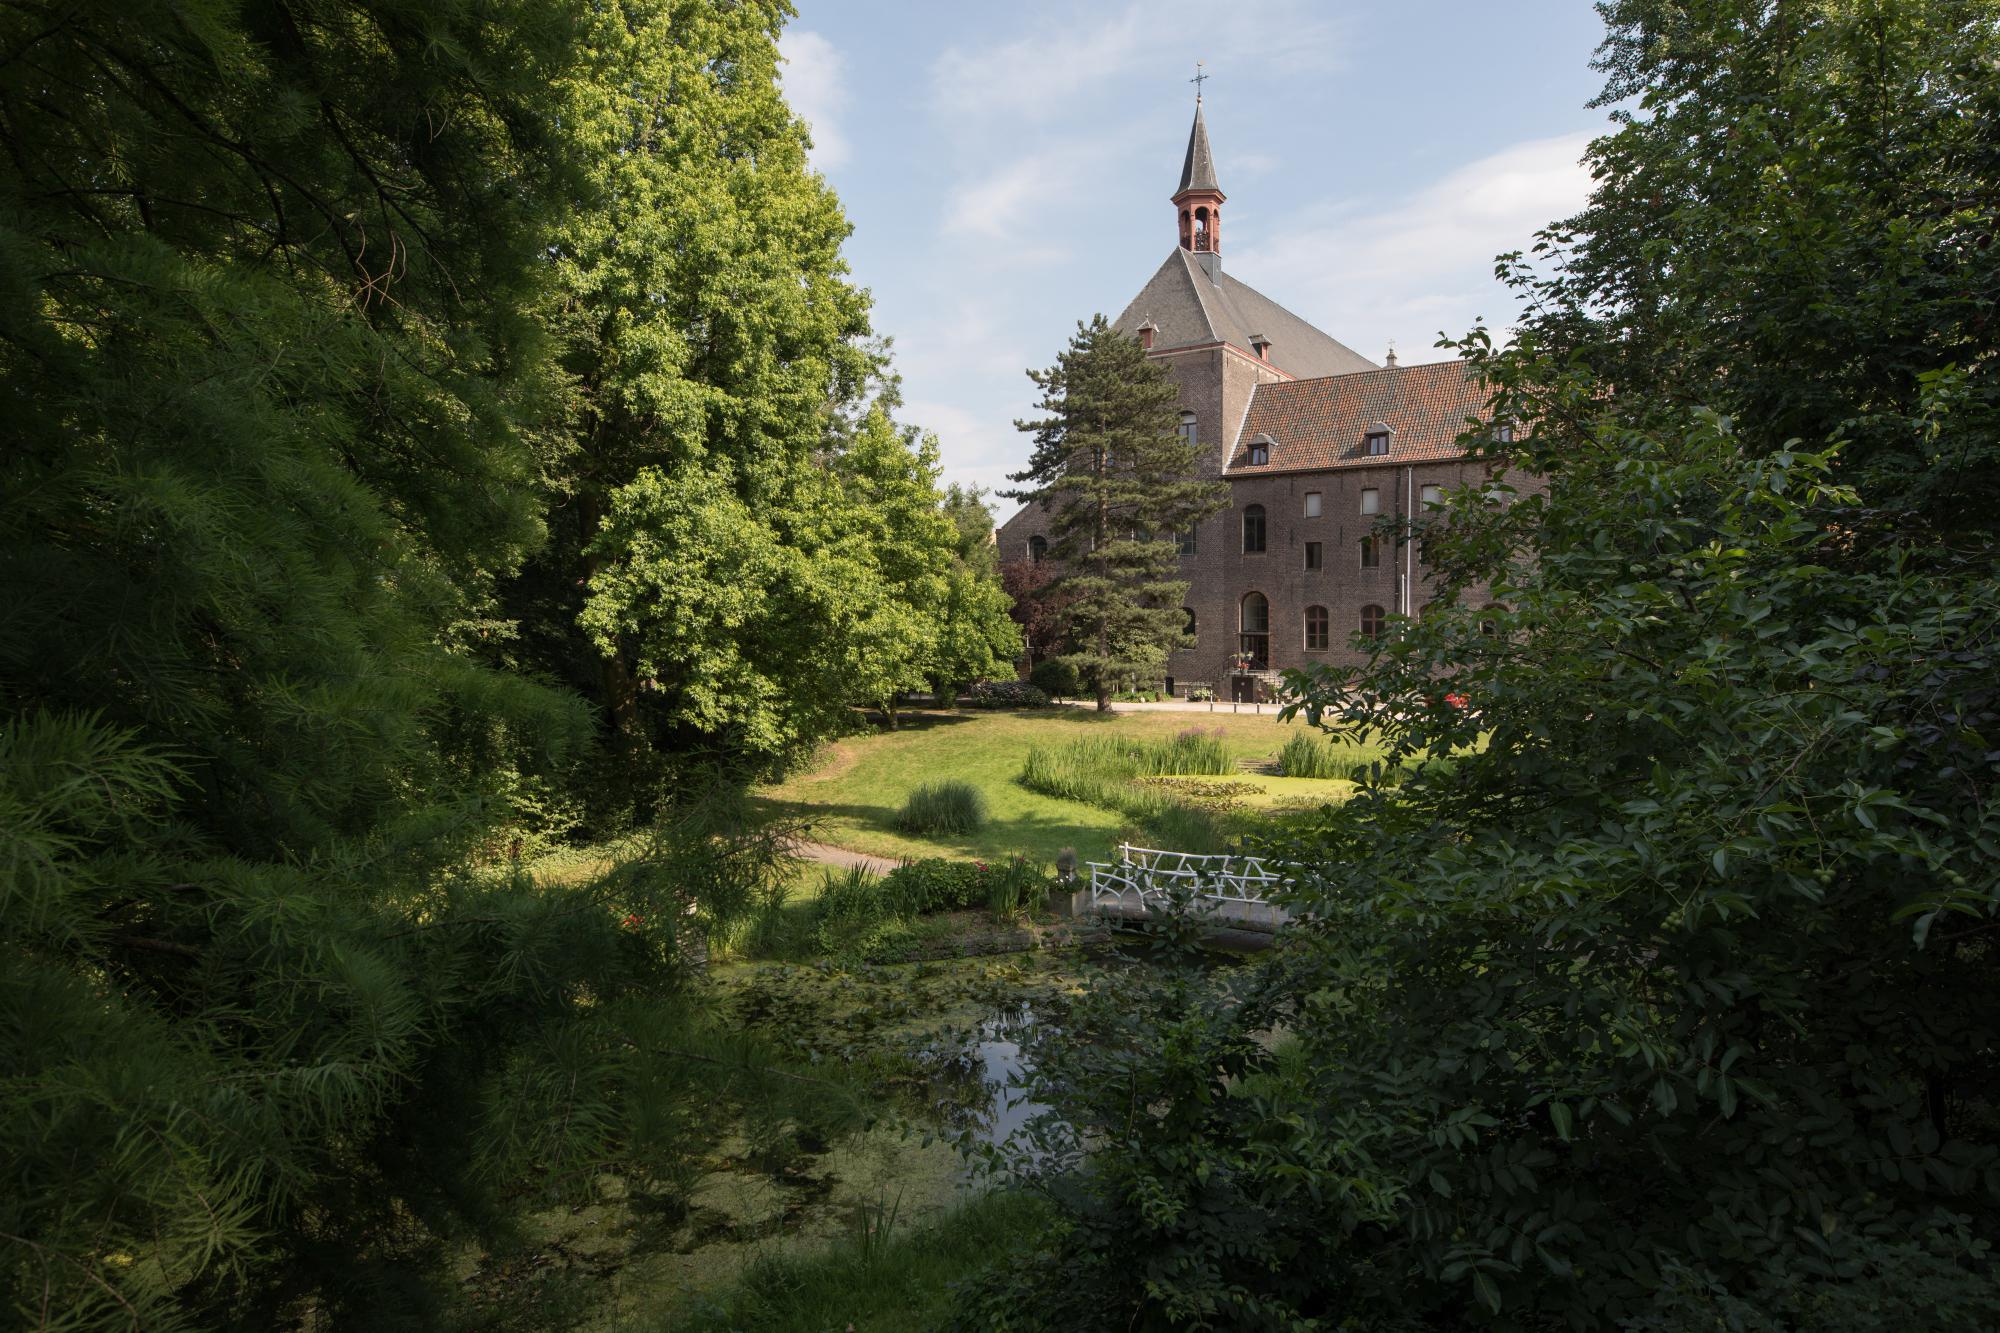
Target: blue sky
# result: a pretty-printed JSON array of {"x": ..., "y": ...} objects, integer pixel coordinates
[{"x": 1007, "y": 167}]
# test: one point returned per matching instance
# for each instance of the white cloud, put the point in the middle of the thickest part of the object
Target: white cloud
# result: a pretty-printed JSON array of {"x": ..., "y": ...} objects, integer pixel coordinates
[
  {"x": 815, "y": 84},
  {"x": 976, "y": 450},
  {"x": 1066, "y": 64},
  {"x": 991, "y": 207},
  {"x": 1367, "y": 271}
]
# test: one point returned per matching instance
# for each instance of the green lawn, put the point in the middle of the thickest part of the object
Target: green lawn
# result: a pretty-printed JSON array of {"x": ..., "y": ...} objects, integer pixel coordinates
[{"x": 857, "y": 791}]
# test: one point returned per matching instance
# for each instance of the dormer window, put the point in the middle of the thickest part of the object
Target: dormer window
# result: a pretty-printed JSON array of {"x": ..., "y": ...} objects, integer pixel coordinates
[
  {"x": 1261, "y": 346},
  {"x": 1503, "y": 432},
  {"x": 1260, "y": 450},
  {"x": 1375, "y": 443}
]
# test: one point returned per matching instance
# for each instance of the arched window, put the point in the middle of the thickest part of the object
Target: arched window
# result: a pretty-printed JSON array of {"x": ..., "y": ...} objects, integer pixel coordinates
[
  {"x": 1253, "y": 529},
  {"x": 1316, "y": 629},
  {"x": 1254, "y": 636},
  {"x": 1372, "y": 620},
  {"x": 1188, "y": 629},
  {"x": 1038, "y": 546},
  {"x": 1201, "y": 229}
]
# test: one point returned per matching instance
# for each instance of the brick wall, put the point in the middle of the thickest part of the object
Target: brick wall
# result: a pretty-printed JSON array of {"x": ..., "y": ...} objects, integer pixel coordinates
[{"x": 1216, "y": 384}]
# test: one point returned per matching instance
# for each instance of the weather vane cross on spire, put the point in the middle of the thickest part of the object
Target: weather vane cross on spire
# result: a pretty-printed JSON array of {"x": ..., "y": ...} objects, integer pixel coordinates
[{"x": 1199, "y": 78}]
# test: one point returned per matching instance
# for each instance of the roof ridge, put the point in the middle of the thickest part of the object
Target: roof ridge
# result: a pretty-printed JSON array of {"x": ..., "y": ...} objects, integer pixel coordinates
[
  {"x": 1195, "y": 274},
  {"x": 1373, "y": 370}
]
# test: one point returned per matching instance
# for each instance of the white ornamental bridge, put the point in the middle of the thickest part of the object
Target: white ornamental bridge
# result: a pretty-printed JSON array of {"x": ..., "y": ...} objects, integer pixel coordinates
[{"x": 1228, "y": 890}]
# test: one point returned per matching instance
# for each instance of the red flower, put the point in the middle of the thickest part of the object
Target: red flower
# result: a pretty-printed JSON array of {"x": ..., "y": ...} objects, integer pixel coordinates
[
  {"x": 1457, "y": 701},
  {"x": 633, "y": 921}
]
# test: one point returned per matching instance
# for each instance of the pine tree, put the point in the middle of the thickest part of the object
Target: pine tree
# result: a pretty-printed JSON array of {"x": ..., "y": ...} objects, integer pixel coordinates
[{"x": 1121, "y": 485}]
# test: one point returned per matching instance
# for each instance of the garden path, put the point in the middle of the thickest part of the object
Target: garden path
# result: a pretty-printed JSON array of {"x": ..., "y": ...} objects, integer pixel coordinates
[{"x": 825, "y": 854}]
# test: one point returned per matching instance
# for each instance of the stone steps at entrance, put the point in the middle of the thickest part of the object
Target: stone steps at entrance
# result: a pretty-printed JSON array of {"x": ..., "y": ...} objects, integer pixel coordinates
[{"x": 1267, "y": 766}]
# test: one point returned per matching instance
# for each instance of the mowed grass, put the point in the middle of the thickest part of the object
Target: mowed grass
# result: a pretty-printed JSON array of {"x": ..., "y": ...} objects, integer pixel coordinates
[{"x": 859, "y": 790}]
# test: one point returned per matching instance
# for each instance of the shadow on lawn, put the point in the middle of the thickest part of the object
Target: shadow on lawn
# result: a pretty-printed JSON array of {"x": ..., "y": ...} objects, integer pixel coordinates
[{"x": 1036, "y": 836}]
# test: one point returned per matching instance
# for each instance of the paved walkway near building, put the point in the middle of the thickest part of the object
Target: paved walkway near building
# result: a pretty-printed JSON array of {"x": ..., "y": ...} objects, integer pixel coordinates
[{"x": 1183, "y": 706}]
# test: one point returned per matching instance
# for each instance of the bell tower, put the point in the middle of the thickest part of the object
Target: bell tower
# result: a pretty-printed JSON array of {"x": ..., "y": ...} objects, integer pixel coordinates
[{"x": 1198, "y": 201}]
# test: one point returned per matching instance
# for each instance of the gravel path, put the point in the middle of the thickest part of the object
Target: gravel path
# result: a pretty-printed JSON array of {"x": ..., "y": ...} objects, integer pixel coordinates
[{"x": 823, "y": 854}]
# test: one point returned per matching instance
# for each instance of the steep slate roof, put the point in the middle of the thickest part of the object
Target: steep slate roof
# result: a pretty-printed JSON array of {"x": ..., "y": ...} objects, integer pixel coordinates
[
  {"x": 1191, "y": 309},
  {"x": 1321, "y": 423},
  {"x": 1198, "y": 172}
]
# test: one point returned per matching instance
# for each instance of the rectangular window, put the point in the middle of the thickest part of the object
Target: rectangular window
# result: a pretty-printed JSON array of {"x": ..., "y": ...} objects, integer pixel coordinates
[
  {"x": 1371, "y": 554},
  {"x": 1371, "y": 501},
  {"x": 1432, "y": 495},
  {"x": 1312, "y": 555},
  {"x": 1312, "y": 504},
  {"x": 1377, "y": 444},
  {"x": 1187, "y": 542}
]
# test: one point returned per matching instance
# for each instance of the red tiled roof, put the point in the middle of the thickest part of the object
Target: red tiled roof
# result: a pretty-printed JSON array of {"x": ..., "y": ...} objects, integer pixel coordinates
[{"x": 1322, "y": 423}]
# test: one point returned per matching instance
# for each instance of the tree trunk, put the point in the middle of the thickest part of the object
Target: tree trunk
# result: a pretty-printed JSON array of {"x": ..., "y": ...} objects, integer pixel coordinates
[{"x": 621, "y": 693}]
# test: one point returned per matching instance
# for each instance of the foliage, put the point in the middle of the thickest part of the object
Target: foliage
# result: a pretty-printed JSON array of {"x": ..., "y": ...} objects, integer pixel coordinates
[
  {"x": 1017, "y": 887},
  {"x": 1089, "y": 770},
  {"x": 332, "y": 335},
  {"x": 943, "y": 807},
  {"x": 860, "y": 917},
  {"x": 1673, "y": 1005},
  {"x": 1306, "y": 755},
  {"x": 1037, "y": 606},
  {"x": 1788, "y": 228},
  {"x": 1161, "y": 1213},
  {"x": 1057, "y": 677},
  {"x": 1003, "y": 694},
  {"x": 1105, "y": 772},
  {"x": 1120, "y": 484},
  {"x": 899, "y": 1281},
  {"x": 936, "y": 885}
]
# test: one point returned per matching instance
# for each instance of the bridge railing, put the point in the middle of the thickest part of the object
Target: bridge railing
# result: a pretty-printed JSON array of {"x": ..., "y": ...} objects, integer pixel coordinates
[{"x": 1150, "y": 872}]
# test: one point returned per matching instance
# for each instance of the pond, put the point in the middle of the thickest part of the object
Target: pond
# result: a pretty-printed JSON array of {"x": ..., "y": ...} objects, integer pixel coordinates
[{"x": 940, "y": 1048}]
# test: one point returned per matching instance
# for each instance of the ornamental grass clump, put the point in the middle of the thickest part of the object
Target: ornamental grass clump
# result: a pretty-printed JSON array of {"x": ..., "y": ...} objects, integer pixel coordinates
[
  {"x": 1308, "y": 756},
  {"x": 943, "y": 807}
]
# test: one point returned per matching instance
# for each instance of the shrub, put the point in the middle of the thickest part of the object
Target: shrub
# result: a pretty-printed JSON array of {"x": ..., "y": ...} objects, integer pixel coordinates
[
  {"x": 935, "y": 885},
  {"x": 1057, "y": 678},
  {"x": 1004, "y": 694},
  {"x": 943, "y": 807}
]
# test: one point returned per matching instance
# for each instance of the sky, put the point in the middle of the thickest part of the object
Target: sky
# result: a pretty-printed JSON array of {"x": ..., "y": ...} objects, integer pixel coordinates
[{"x": 1007, "y": 169}]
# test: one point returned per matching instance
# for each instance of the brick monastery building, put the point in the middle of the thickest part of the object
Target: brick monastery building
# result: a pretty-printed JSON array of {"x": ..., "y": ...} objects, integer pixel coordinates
[{"x": 1317, "y": 444}]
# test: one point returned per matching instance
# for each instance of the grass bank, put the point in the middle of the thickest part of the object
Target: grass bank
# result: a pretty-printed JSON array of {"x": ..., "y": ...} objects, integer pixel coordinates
[{"x": 860, "y": 789}]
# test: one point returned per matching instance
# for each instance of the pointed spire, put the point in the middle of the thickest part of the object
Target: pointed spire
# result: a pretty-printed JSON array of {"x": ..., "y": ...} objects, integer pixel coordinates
[{"x": 1198, "y": 172}]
